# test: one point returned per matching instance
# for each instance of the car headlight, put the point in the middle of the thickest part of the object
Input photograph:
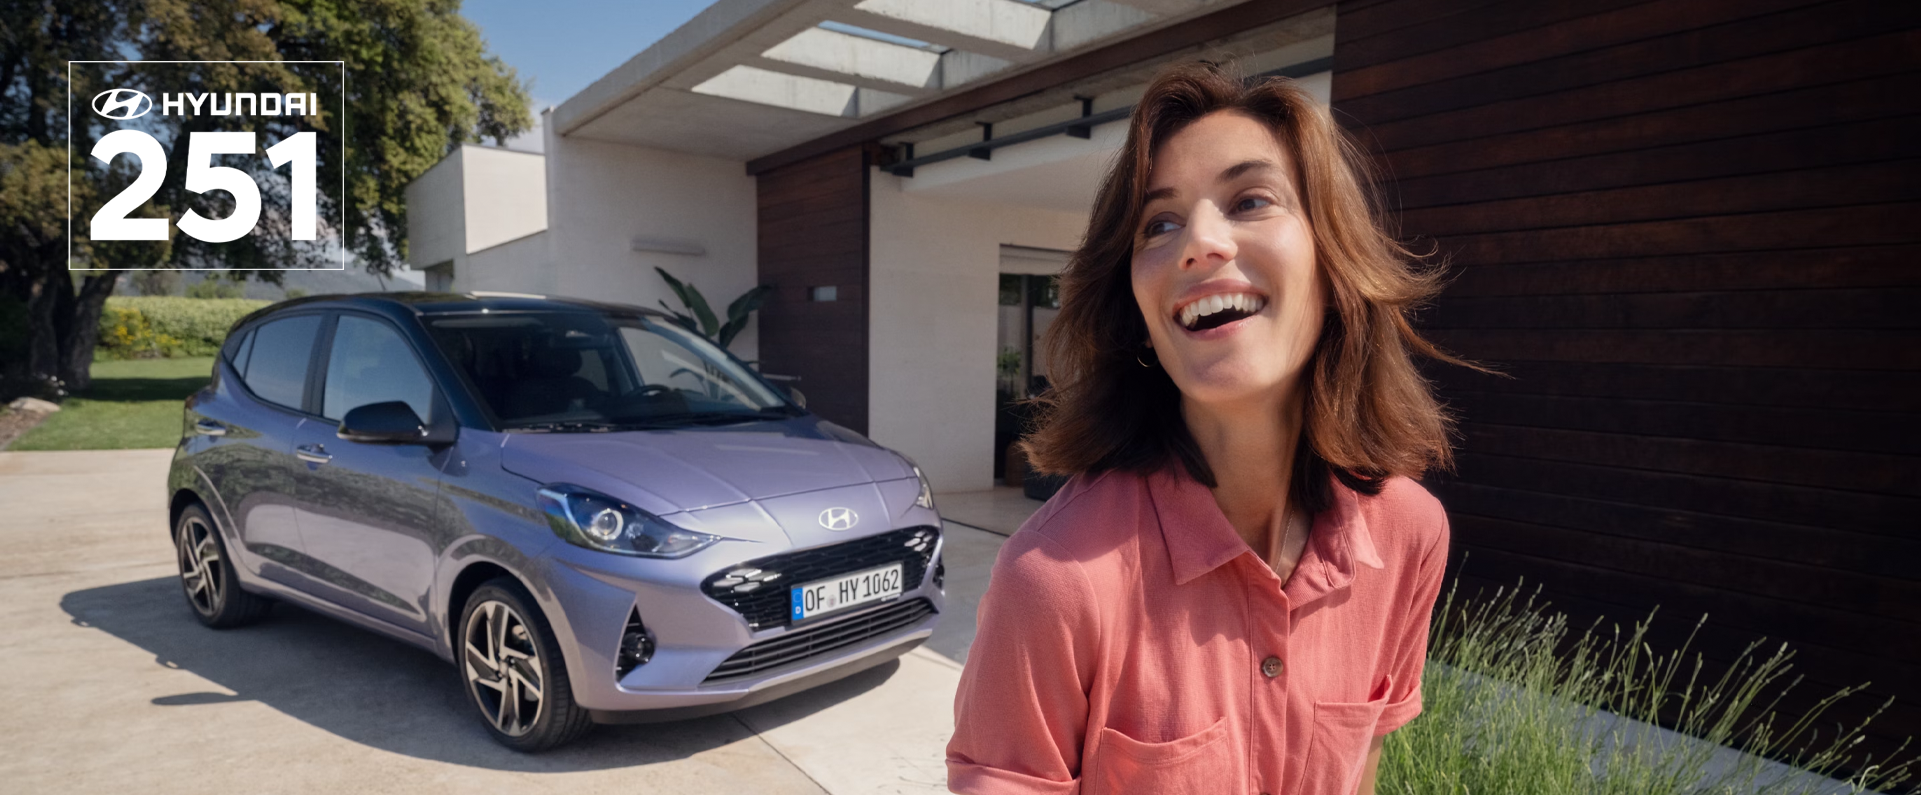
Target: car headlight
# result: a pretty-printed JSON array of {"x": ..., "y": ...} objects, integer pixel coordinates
[
  {"x": 597, "y": 521},
  {"x": 926, "y": 498}
]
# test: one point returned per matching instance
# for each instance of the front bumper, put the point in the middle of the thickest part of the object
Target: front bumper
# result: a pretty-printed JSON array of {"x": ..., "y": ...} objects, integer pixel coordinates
[
  {"x": 708, "y": 657},
  {"x": 745, "y": 692}
]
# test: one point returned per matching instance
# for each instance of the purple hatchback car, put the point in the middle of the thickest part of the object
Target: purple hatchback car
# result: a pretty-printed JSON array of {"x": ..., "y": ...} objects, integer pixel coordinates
[{"x": 593, "y": 512}]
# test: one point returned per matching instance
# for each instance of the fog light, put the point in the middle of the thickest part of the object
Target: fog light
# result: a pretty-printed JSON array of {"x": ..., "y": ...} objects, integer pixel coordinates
[
  {"x": 636, "y": 646},
  {"x": 940, "y": 574}
]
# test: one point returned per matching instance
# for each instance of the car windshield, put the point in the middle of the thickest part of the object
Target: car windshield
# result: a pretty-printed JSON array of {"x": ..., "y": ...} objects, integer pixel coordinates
[{"x": 588, "y": 371}]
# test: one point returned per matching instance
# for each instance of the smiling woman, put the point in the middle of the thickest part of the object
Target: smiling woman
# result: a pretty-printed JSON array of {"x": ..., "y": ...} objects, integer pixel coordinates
[{"x": 1236, "y": 584}]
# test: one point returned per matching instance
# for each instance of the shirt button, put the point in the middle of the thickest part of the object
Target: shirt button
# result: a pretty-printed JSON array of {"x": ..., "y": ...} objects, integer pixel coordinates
[{"x": 1271, "y": 667}]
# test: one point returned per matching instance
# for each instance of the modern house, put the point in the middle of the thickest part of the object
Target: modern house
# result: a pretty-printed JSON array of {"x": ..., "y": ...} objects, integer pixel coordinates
[{"x": 1687, "y": 228}]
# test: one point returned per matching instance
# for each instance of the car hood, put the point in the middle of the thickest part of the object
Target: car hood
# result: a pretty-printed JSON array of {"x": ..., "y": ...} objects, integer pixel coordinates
[{"x": 689, "y": 469}]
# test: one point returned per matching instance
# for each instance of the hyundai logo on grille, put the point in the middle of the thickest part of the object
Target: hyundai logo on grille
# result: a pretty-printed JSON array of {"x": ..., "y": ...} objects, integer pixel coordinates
[
  {"x": 839, "y": 518},
  {"x": 122, "y": 104}
]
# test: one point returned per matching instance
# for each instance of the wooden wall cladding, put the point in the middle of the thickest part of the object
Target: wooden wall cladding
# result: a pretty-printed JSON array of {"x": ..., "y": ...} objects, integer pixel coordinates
[
  {"x": 813, "y": 233},
  {"x": 1691, "y": 231}
]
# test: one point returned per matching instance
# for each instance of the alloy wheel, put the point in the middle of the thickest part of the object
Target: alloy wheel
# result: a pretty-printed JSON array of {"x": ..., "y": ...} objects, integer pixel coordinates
[
  {"x": 504, "y": 670},
  {"x": 201, "y": 574}
]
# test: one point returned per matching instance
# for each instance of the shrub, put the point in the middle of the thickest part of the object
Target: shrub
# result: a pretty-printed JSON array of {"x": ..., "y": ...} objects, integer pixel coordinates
[
  {"x": 168, "y": 325},
  {"x": 158, "y": 281},
  {"x": 1511, "y": 705},
  {"x": 216, "y": 287}
]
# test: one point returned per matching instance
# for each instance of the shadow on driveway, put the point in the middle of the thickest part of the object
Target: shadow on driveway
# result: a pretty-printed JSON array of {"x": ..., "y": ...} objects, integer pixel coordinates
[{"x": 380, "y": 692}]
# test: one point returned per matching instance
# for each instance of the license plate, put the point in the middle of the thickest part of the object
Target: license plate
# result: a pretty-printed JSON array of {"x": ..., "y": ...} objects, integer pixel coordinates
[{"x": 839, "y": 593}]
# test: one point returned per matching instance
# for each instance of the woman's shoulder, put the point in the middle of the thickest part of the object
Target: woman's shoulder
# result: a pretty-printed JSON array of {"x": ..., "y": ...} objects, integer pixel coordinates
[
  {"x": 1083, "y": 526},
  {"x": 1091, "y": 510},
  {"x": 1405, "y": 519}
]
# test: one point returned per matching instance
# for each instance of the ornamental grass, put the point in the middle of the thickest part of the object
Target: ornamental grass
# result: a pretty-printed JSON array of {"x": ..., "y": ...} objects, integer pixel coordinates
[{"x": 1516, "y": 705}]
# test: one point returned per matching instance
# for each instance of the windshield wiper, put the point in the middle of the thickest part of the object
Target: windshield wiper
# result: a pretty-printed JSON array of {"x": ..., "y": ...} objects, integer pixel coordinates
[
  {"x": 705, "y": 418},
  {"x": 570, "y": 426}
]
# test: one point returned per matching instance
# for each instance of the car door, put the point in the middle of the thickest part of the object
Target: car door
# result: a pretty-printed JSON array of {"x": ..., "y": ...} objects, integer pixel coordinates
[
  {"x": 244, "y": 431},
  {"x": 366, "y": 511}
]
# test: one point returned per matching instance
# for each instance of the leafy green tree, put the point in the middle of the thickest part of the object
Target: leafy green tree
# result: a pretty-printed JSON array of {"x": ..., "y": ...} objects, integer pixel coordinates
[{"x": 418, "y": 83}]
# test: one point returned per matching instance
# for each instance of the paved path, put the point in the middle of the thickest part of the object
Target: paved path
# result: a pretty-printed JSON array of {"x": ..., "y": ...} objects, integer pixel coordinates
[{"x": 116, "y": 688}]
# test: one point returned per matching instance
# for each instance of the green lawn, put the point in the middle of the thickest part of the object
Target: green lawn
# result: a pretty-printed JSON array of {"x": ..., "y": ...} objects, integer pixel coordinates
[{"x": 131, "y": 404}]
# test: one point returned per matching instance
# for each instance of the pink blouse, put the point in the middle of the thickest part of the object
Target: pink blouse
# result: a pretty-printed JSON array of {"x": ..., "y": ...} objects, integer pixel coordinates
[{"x": 1131, "y": 642}]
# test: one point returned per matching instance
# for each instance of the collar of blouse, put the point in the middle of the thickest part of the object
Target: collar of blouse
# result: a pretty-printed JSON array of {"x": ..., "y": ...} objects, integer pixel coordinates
[{"x": 1199, "y": 538}]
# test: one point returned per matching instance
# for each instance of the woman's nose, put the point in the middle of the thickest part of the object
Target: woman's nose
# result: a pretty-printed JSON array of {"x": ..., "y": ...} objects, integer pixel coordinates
[{"x": 1210, "y": 239}]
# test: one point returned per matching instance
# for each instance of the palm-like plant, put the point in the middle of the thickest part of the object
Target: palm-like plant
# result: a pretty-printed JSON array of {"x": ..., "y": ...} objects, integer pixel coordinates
[{"x": 702, "y": 319}]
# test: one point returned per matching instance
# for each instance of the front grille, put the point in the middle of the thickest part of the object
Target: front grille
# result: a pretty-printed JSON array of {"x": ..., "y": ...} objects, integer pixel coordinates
[
  {"x": 758, "y": 589},
  {"x": 802, "y": 644}
]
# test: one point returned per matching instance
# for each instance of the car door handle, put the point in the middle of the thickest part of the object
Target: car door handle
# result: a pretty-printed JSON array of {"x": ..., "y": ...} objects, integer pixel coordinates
[
  {"x": 312, "y": 454},
  {"x": 209, "y": 428}
]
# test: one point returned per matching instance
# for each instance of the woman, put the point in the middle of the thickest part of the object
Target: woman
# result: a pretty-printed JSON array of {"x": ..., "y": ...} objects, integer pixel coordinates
[{"x": 1232, "y": 594}]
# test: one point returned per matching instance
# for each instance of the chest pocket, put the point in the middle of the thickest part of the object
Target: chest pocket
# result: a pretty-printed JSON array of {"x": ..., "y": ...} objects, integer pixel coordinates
[
  {"x": 1341, "y": 734},
  {"x": 1193, "y": 765}
]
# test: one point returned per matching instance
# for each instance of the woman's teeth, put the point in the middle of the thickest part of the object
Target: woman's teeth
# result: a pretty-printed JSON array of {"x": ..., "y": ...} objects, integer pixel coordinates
[{"x": 1238, "y": 305}]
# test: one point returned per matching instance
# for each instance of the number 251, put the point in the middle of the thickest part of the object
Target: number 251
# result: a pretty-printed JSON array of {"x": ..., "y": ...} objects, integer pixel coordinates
[{"x": 112, "y": 223}]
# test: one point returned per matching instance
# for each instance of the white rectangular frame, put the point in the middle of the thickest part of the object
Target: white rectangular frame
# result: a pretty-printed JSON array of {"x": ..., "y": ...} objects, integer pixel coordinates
[{"x": 341, "y": 223}]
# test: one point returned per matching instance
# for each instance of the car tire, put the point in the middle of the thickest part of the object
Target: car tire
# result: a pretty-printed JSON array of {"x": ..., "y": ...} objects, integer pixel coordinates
[
  {"x": 506, "y": 650},
  {"x": 207, "y": 575}
]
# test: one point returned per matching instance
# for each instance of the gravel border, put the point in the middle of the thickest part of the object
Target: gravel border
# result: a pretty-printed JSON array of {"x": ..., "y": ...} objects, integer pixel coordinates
[{"x": 15, "y": 423}]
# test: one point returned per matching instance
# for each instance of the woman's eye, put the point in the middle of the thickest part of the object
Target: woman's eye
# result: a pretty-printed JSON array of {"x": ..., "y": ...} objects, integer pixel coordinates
[
  {"x": 1251, "y": 203},
  {"x": 1158, "y": 227}
]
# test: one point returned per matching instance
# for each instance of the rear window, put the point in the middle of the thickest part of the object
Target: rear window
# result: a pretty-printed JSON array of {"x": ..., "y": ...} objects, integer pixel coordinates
[
  {"x": 276, "y": 367},
  {"x": 236, "y": 351}
]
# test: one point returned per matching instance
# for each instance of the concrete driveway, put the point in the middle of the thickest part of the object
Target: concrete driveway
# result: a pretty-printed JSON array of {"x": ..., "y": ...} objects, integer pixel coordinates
[{"x": 115, "y": 687}]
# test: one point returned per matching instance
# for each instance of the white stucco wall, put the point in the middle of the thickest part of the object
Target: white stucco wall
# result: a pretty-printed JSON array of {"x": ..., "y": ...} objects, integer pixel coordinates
[
  {"x": 436, "y": 220},
  {"x": 601, "y": 196},
  {"x": 521, "y": 265},
  {"x": 934, "y": 281},
  {"x": 505, "y": 193}
]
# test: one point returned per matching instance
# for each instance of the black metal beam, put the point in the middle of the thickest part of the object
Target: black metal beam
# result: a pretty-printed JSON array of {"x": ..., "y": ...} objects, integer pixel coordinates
[{"x": 1082, "y": 127}]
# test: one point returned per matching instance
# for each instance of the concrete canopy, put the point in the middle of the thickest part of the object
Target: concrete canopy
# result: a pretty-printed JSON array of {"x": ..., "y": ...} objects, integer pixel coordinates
[{"x": 746, "y": 78}]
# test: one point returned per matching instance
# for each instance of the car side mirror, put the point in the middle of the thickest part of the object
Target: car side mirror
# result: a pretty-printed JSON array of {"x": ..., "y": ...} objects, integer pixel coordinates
[{"x": 392, "y": 422}]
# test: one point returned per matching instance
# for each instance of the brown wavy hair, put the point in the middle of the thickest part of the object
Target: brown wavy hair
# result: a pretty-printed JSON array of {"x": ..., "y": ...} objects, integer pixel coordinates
[{"x": 1369, "y": 413}]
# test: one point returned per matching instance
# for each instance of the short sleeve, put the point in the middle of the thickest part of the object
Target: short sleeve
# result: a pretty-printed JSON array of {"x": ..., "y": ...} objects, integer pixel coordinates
[
  {"x": 1409, "y": 653},
  {"x": 1020, "y": 715}
]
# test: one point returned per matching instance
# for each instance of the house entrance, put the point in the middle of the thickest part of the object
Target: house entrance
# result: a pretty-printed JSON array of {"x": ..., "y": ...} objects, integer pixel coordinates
[{"x": 1029, "y": 300}]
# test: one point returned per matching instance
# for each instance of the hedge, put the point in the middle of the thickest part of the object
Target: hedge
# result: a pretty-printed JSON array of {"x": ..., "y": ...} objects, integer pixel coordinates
[{"x": 154, "y": 326}]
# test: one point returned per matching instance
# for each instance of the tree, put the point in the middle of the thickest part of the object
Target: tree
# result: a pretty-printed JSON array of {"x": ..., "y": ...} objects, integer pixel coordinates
[
  {"x": 419, "y": 82},
  {"x": 156, "y": 282}
]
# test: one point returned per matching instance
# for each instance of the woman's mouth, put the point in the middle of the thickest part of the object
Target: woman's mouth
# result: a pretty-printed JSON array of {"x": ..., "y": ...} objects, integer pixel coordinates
[{"x": 1218, "y": 310}]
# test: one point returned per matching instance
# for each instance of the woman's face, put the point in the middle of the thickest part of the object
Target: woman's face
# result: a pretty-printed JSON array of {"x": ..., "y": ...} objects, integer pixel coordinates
[{"x": 1224, "y": 267}]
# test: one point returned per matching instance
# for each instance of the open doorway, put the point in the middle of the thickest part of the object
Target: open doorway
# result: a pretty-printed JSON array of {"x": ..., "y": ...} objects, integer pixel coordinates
[{"x": 1029, "y": 300}]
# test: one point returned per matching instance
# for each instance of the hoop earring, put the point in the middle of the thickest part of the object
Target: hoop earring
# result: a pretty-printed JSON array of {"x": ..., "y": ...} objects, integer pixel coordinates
[{"x": 1137, "y": 360}]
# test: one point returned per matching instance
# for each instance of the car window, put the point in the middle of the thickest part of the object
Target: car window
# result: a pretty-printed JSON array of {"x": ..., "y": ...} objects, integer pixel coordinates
[
  {"x": 371, "y": 363},
  {"x": 237, "y": 349},
  {"x": 663, "y": 358},
  {"x": 282, "y": 349},
  {"x": 543, "y": 368}
]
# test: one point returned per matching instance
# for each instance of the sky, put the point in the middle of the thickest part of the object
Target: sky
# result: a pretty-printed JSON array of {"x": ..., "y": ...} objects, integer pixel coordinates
[{"x": 560, "y": 47}]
